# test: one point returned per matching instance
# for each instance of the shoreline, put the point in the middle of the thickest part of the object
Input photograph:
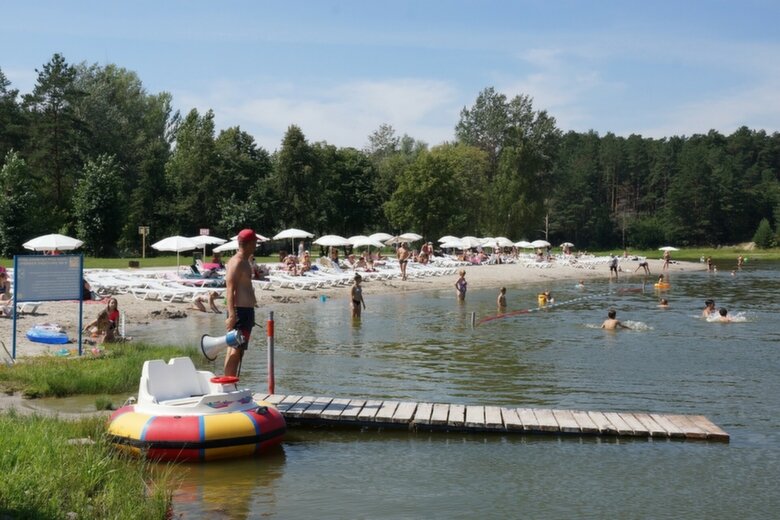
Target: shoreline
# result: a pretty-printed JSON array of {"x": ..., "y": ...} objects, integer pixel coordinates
[{"x": 140, "y": 312}]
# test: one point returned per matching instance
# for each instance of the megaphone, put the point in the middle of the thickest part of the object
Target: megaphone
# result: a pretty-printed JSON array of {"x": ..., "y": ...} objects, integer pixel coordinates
[{"x": 211, "y": 346}]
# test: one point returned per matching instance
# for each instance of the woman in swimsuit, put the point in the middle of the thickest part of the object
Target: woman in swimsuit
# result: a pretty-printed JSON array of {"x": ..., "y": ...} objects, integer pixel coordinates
[
  {"x": 357, "y": 297},
  {"x": 461, "y": 285},
  {"x": 403, "y": 258}
]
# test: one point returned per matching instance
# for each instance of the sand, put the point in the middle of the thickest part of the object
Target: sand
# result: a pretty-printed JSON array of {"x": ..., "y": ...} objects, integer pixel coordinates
[{"x": 140, "y": 312}]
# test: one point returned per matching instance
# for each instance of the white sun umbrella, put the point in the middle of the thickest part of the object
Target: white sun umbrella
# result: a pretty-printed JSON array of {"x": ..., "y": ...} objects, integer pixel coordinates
[
  {"x": 381, "y": 236},
  {"x": 355, "y": 238},
  {"x": 448, "y": 238},
  {"x": 367, "y": 242},
  {"x": 204, "y": 240},
  {"x": 52, "y": 242},
  {"x": 524, "y": 244},
  {"x": 540, "y": 243},
  {"x": 668, "y": 248},
  {"x": 410, "y": 237},
  {"x": 332, "y": 241},
  {"x": 176, "y": 243},
  {"x": 567, "y": 244},
  {"x": 292, "y": 234},
  {"x": 504, "y": 242},
  {"x": 227, "y": 246},
  {"x": 452, "y": 244},
  {"x": 488, "y": 242},
  {"x": 394, "y": 240},
  {"x": 469, "y": 242}
]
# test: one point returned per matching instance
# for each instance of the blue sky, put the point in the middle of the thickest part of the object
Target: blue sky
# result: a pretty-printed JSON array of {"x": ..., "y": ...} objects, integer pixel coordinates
[{"x": 339, "y": 69}]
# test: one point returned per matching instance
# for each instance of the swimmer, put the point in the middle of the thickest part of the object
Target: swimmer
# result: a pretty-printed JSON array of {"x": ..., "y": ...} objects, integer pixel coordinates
[
  {"x": 461, "y": 285},
  {"x": 501, "y": 300},
  {"x": 611, "y": 323},
  {"x": 581, "y": 285},
  {"x": 724, "y": 315},
  {"x": 709, "y": 308},
  {"x": 663, "y": 304},
  {"x": 660, "y": 280},
  {"x": 199, "y": 301}
]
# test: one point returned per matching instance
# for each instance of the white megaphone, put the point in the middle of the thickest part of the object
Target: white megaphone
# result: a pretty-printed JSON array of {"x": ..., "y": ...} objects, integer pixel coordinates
[{"x": 211, "y": 346}]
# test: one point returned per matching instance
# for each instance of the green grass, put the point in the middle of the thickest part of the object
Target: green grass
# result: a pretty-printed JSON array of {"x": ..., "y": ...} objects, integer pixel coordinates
[
  {"x": 45, "y": 476},
  {"x": 726, "y": 256},
  {"x": 118, "y": 371}
]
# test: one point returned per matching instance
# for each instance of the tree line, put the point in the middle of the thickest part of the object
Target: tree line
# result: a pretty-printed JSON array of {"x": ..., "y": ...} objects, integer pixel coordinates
[{"x": 90, "y": 153}]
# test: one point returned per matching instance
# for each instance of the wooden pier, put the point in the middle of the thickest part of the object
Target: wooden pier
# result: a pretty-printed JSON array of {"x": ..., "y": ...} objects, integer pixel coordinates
[{"x": 361, "y": 413}]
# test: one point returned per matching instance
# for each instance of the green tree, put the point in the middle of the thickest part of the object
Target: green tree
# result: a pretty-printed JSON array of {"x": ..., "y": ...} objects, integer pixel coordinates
[
  {"x": 18, "y": 211},
  {"x": 56, "y": 136},
  {"x": 296, "y": 183},
  {"x": 764, "y": 237},
  {"x": 13, "y": 127},
  {"x": 98, "y": 202}
]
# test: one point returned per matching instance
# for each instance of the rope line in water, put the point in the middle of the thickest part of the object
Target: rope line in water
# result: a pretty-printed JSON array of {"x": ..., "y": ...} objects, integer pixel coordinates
[{"x": 553, "y": 305}]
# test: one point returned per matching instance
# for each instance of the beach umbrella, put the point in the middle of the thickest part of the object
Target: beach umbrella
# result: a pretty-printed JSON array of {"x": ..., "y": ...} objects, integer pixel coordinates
[
  {"x": 227, "y": 246},
  {"x": 447, "y": 238},
  {"x": 540, "y": 243},
  {"x": 410, "y": 237},
  {"x": 260, "y": 238},
  {"x": 367, "y": 241},
  {"x": 332, "y": 241},
  {"x": 567, "y": 244},
  {"x": 504, "y": 242},
  {"x": 524, "y": 244},
  {"x": 381, "y": 236},
  {"x": 469, "y": 242},
  {"x": 204, "y": 240},
  {"x": 355, "y": 238},
  {"x": 394, "y": 240},
  {"x": 292, "y": 234},
  {"x": 52, "y": 242},
  {"x": 668, "y": 248},
  {"x": 452, "y": 244},
  {"x": 176, "y": 243}
]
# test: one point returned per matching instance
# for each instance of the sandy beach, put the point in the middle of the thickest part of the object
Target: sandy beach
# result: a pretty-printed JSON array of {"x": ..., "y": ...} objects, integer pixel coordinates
[{"x": 139, "y": 312}]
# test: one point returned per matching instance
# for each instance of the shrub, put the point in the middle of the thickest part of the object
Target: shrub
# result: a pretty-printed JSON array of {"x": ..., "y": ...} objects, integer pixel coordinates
[{"x": 764, "y": 237}]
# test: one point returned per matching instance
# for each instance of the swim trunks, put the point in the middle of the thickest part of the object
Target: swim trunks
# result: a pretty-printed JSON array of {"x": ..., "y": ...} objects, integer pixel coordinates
[{"x": 245, "y": 321}]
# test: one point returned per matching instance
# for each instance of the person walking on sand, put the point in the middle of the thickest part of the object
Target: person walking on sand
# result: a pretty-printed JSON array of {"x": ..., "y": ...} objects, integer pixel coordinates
[
  {"x": 356, "y": 293},
  {"x": 612, "y": 323},
  {"x": 461, "y": 285},
  {"x": 403, "y": 259},
  {"x": 667, "y": 259},
  {"x": 501, "y": 300},
  {"x": 240, "y": 299}
]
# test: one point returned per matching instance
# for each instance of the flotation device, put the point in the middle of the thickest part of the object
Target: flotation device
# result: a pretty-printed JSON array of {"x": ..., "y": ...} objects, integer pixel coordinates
[
  {"x": 184, "y": 414},
  {"x": 50, "y": 333},
  {"x": 662, "y": 285},
  {"x": 542, "y": 299}
]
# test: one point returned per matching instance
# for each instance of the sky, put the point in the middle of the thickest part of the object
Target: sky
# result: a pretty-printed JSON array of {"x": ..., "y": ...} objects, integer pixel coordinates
[{"x": 340, "y": 69}]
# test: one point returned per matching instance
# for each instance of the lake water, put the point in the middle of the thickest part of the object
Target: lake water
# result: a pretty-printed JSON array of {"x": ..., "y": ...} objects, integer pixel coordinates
[{"x": 422, "y": 347}]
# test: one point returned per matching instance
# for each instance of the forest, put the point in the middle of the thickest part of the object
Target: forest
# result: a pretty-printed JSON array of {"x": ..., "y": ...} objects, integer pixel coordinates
[{"x": 90, "y": 153}]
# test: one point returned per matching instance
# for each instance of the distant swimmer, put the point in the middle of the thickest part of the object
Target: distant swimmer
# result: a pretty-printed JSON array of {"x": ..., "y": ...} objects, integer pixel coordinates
[
  {"x": 501, "y": 300},
  {"x": 709, "y": 308},
  {"x": 611, "y": 323},
  {"x": 461, "y": 285},
  {"x": 724, "y": 315},
  {"x": 663, "y": 304},
  {"x": 581, "y": 285}
]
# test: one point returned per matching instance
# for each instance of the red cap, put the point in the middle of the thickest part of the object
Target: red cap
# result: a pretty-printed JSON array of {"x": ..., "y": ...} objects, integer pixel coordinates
[{"x": 247, "y": 235}]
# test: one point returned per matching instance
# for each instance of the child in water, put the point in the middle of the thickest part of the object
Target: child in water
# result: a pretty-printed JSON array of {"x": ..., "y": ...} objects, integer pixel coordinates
[
  {"x": 461, "y": 285},
  {"x": 501, "y": 300}
]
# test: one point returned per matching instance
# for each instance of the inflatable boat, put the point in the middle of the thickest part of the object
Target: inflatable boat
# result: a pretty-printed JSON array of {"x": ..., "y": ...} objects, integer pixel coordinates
[
  {"x": 185, "y": 414},
  {"x": 49, "y": 333}
]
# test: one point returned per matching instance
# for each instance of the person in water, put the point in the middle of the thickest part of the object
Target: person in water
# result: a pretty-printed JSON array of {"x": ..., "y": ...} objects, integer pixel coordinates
[
  {"x": 357, "y": 297},
  {"x": 663, "y": 303},
  {"x": 645, "y": 265},
  {"x": 461, "y": 285},
  {"x": 724, "y": 315},
  {"x": 240, "y": 299},
  {"x": 612, "y": 323},
  {"x": 709, "y": 308},
  {"x": 501, "y": 300},
  {"x": 200, "y": 301}
]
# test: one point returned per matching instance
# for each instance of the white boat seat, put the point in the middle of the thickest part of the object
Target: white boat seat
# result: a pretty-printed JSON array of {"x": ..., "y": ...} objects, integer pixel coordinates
[{"x": 178, "y": 380}]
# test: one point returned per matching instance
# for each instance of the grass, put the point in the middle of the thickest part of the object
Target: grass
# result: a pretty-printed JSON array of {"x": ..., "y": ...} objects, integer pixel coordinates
[
  {"x": 726, "y": 255},
  {"x": 46, "y": 476},
  {"x": 117, "y": 371}
]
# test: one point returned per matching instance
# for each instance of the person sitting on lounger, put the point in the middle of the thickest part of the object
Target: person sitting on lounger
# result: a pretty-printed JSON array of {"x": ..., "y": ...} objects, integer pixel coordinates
[{"x": 6, "y": 305}]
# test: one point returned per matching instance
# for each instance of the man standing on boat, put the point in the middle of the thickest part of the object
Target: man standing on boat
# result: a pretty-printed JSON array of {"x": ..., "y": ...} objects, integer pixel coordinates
[{"x": 240, "y": 299}]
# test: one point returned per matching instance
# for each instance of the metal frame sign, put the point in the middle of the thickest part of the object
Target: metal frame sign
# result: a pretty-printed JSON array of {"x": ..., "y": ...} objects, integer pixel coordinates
[{"x": 48, "y": 278}]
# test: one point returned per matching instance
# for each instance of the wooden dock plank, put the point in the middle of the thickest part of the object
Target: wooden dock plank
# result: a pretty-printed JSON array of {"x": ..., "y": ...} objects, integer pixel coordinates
[
  {"x": 713, "y": 431},
  {"x": 314, "y": 411},
  {"x": 511, "y": 419},
  {"x": 457, "y": 417},
  {"x": 545, "y": 420},
  {"x": 493, "y": 419},
  {"x": 633, "y": 423},
  {"x": 527, "y": 417},
  {"x": 655, "y": 429},
  {"x": 298, "y": 406},
  {"x": 585, "y": 423},
  {"x": 334, "y": 409},
  {"x": 423, "y": 413},
  {"x": 603, "y": 423},
  {"x": 352, "y": 410},
  {"x": 440, "y": 413},
  {"x": 617, "y": 421},
  {"x": 386, "y": 411},
  {"x": 475, "y": 417},
  {"x": 404, "y": 413},
  {"x": 369, "y": 410},
  {"x": 566, "y": 421},
  {"x": 684, "y": 422},
  {"x": 271, "y": 398},
  {"x": 287, "y": 402},
  {"x": 674, "y": 431}
]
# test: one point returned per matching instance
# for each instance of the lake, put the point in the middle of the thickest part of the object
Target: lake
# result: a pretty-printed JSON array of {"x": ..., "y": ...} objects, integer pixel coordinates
[{"x": 421, "y": 347}]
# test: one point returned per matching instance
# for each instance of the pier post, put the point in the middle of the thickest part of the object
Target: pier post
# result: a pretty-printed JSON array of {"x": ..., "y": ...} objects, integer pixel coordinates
[
  {"x": 473, "y": 319},
  {"x": 270, "y": 335}
]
